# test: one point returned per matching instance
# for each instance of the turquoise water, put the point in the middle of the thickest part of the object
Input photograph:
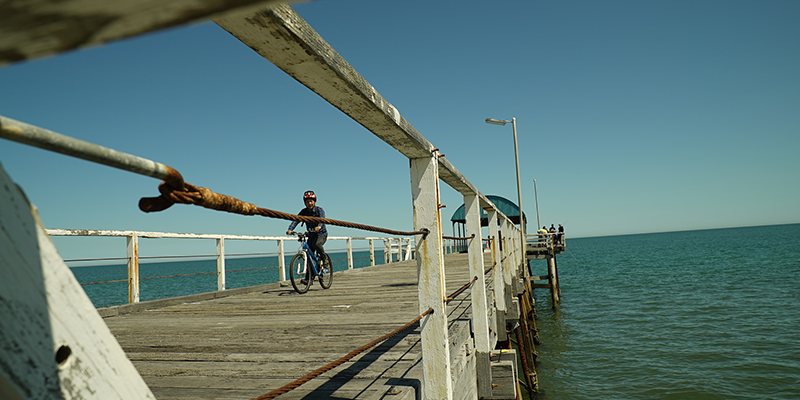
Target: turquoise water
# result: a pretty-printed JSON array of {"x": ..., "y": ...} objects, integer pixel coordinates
[
  {"x": 261, "y": 270},
  {"x": 711, "y": 314}
]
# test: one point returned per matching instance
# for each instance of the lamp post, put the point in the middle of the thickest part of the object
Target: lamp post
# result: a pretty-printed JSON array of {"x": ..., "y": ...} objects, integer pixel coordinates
[
  {"x": 536, "y": 196},
  {"x": 513, "y": 122}
]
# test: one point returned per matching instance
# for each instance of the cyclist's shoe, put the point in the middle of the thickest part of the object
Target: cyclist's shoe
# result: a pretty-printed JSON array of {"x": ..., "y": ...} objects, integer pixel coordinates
[{"x": 303, "y": 281}]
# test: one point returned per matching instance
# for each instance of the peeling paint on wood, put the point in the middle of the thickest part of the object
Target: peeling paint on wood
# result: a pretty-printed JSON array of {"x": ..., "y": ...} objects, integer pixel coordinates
[
  {"x": 53, "y": 343},
  {"x": 36, "y": 28}
]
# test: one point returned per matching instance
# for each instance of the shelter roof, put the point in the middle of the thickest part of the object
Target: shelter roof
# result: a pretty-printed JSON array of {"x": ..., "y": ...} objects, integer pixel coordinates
[{"x": 504, "y": 205}]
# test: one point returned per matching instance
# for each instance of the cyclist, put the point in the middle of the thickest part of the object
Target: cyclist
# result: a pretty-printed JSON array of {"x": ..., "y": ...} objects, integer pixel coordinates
[{"x": 317, "y": 232}]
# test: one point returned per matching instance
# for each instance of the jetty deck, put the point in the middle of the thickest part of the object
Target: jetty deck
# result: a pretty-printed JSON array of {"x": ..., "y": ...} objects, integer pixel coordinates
[{"x": 245, "y": 345}]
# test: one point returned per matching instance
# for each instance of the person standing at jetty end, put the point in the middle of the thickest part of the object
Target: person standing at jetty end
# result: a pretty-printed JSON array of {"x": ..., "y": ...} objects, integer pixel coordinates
[
  {"x": 317, "y": 232},
  {"x": 560, "y": 234},
  {"x": 542, "y": 234}
]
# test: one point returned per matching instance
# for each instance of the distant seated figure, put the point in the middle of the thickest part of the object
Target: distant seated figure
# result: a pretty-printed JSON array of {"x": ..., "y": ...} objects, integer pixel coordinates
[{"x": 542, "y": 234}]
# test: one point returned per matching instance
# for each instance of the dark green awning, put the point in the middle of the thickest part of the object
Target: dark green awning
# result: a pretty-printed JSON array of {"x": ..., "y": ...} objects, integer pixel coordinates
[{"x": 504, "y": 205}]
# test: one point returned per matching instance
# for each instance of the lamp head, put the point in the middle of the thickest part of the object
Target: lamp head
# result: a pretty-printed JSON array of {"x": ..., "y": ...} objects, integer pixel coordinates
[{"x": 494, "y": 121}]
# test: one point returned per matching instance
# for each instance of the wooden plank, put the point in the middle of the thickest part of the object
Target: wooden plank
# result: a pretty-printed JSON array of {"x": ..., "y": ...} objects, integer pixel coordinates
[
  {"x": 540, "y": 285},
  {"x": 37, "y": 28}
]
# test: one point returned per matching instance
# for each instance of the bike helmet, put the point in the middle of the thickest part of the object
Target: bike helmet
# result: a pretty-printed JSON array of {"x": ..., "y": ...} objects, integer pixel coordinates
[{"x": 309, "y": 194}]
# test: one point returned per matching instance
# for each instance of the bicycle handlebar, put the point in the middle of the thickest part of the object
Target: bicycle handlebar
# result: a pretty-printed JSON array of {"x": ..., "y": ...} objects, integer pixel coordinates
[{"x": 300, "y": 236}]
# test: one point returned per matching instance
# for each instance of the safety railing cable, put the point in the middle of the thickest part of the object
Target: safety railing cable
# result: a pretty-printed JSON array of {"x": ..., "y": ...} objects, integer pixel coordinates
[
  {"x": 173, "y": 190},
  {"x": 311, "y": 375},
  {"x": 459, "y": 238},
  {"x": 460, "y": 290}
]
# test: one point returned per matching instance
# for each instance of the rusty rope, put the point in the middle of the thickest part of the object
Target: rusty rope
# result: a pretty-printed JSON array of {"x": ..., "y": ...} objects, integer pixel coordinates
[
  {"x": 177, "y": 276},
  {"x": 311, "y": 375},
  {"x": 458, "y": 238},
  {"x": 95, "y": 283},
  {"x": 459, "y": 291},
  {"x": 204, "y": 197}
]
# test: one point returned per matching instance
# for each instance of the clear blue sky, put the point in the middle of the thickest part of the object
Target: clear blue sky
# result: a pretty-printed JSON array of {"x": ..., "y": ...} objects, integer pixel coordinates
[{"x": 633, "y": 116}]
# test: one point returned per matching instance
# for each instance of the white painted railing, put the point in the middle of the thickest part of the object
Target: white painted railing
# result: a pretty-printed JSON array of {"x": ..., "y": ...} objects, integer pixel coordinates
[
  {"x": 546, "y": 239},
  {"x": 401, "y": 246}
]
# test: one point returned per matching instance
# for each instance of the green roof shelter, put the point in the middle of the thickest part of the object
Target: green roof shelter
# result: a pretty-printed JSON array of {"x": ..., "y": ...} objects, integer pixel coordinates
[{"x": 505, "y": 206}]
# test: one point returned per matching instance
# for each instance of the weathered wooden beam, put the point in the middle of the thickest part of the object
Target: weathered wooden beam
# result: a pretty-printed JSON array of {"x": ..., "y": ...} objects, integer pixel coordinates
[
  {"x": 281, "y": 36},
  {"x": 37, "y": 28},
  {"x": 53, "y": 343}
]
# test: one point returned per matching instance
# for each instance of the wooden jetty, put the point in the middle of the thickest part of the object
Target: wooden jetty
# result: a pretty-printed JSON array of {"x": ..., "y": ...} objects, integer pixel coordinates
[
  {"x": 54, "y": 344},
  {"x": 261, "y": 338}
]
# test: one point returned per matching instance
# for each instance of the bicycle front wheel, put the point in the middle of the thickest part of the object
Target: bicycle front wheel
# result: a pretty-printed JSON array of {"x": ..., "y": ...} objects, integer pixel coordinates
[
  {"x": 326, "y": 275},
  {"x": 299, "y": 273}
]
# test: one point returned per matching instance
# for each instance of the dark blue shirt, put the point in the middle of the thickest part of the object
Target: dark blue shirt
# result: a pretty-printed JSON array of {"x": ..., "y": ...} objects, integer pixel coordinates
[{"x": 316, "y": 212}]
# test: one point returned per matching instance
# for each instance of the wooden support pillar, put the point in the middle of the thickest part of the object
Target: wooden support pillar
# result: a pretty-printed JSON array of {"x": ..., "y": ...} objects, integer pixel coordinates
[
  {"x": 480, "y": 311},
  {"x": 221, "y": 264},
  {"x": 436, "y": 381},
  {"x": 552, "y": 276},
  {"x": 133, "y": 268},
  {"x": 497, "y": 276},
  {"x": 372, "y": 252},
  {"x": 281, "y": 261},
  {"x": 349, "y": 253}
]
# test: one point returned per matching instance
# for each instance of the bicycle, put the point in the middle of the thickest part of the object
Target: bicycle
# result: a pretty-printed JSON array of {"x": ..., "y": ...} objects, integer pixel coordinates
[{"x": 305, "y": 266}]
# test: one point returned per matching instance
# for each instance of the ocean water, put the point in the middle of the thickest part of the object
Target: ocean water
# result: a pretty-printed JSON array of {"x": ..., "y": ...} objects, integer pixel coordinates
[
  {"x": 255, "y": 271},
  {"x": 712, "y": 314}
]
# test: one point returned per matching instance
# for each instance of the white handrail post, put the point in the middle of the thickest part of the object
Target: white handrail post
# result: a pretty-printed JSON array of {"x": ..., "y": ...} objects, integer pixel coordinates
[
  {"x": 386, "y": 251},
  {"x": 436, "y": 382},
  {"x": 510, "y": 267},
  {"x": 133, "y": 268},
  {"x": 497, "y": 272},
  {"x": 515, "y": 250},
  {"x": 220, "y": 264},
  {"x": 480, "y": 320},
  {"x": 281, "y": 261},
  {"x": 372, "y": 252},
  {"x": 349, "y": 253}
]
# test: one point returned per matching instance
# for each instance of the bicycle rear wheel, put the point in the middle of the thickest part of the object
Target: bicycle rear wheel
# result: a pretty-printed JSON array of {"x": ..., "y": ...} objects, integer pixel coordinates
[
  {"x": 326, "y": 275},
  {"x": 299, "y": 272}
]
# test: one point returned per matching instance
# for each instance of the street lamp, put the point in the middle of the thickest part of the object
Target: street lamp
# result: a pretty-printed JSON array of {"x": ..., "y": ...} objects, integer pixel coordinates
[
  {"x": 536, "y": 196},
  {"x": 513, "y": 122}
]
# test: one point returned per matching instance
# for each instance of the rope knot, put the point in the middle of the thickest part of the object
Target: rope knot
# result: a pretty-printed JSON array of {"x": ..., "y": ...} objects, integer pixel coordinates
[{"x": 197, "y": 195}]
